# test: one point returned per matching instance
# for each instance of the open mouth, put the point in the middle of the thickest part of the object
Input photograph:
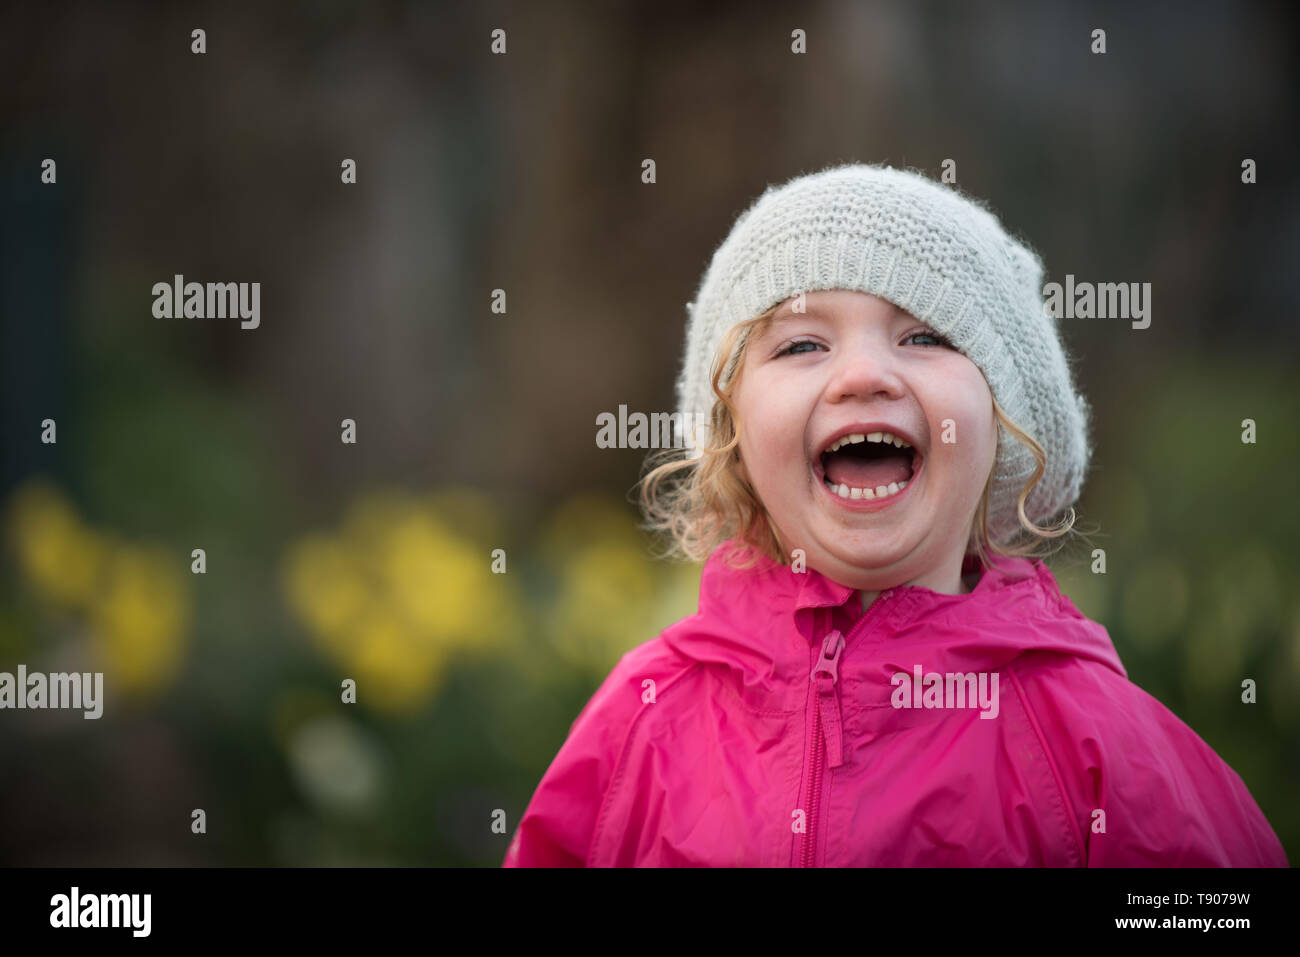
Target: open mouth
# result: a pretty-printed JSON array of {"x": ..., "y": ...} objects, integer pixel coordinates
[{"x": 872, "y": 465}]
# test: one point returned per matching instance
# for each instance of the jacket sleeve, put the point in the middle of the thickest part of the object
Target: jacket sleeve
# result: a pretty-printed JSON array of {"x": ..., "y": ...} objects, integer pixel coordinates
[
  {"x": 559, "y": 823},
  {"x": 1142, "y": 787}
]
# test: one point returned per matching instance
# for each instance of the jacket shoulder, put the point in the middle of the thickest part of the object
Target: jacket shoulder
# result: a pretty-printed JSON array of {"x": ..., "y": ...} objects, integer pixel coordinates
[
  {"x": 1143, "y": 788},
  {"x": 560, "y": 822}
]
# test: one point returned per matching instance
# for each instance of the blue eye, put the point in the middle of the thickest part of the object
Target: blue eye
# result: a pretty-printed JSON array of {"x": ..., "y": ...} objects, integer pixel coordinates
[
  {"x": 792, "y": 347},
  {"x": 789, "y": 350},
  {"x": 939, "y": 340}
]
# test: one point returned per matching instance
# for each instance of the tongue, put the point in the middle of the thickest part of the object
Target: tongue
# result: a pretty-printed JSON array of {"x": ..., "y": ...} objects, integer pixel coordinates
[{"x": 857, "y": 472}]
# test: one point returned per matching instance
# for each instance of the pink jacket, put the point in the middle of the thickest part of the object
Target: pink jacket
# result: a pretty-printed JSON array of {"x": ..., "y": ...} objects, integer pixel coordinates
[{"x": 710, "y": 745}]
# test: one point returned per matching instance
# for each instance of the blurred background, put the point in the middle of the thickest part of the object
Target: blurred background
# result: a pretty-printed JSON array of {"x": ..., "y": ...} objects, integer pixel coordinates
[{"x": 475, "y": 429}]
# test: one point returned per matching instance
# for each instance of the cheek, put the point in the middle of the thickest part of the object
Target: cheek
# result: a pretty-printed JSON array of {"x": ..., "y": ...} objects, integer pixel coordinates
[
  {"x": 777, "y": 438},
  {"x": 984, "y": 445},
  {"x": 769, "y": 433},
  {"x": 960, "y": 411},
  {"x": 766, "y": 465}
]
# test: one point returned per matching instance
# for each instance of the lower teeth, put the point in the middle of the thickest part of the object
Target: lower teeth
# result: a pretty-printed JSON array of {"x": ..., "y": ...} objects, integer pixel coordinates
[{"x": 881, "y": 491}]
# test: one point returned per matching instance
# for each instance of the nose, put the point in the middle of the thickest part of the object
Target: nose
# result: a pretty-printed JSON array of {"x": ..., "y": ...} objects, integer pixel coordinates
[{"x": 865, "y": 369}]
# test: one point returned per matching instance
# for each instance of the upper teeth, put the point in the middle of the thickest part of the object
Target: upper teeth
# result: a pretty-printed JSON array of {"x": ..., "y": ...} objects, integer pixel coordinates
[{"x": 857, "y": 437}]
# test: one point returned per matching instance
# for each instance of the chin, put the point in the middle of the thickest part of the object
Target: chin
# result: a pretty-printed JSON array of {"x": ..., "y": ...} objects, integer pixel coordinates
[{"x": 865, "y": 559}]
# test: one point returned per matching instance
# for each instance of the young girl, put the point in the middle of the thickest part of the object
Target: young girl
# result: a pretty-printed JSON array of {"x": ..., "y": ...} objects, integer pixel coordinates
[{"x": 878, "y": 674}]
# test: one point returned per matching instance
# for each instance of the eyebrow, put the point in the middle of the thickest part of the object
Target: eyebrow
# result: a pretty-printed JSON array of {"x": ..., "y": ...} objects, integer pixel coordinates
[
  {"x": 785, "y": 312},
  {"x": 771, "y": 327}
]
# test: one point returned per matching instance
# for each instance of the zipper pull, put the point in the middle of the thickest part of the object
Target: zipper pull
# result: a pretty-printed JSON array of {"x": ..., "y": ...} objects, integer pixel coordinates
[
  {"x": 825, "y": 674},
  {"x": 829, "y": 662}
]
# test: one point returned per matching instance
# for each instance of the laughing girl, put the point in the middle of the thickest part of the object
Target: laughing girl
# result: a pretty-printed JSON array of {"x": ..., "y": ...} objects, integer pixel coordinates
[{"x": 894, "y": 437}]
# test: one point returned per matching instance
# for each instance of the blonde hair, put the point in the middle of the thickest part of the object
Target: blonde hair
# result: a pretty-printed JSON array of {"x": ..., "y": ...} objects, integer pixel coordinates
[{"x": 700, "y": 503}]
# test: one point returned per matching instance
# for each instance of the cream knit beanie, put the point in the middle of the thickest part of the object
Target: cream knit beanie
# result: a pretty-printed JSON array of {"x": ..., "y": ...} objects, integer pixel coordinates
[{"x": 931, "y": 251}]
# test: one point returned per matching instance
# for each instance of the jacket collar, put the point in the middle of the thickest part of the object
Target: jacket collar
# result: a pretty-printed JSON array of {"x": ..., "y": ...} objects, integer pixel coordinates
[
  {"x": 762, "y": 623},
  {"x": 783, "y": 591}
]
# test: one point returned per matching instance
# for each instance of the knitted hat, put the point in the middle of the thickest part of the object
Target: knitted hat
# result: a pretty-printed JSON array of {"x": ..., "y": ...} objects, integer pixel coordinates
[{"x": 937, "y": 254}]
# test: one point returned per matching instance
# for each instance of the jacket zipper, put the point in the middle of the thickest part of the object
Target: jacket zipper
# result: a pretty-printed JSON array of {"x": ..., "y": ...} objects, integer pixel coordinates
[{"x": 827, "y": 729}]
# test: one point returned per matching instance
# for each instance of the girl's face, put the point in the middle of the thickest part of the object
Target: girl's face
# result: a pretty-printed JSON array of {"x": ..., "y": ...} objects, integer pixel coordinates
[{"x": 853, "y": 364}]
